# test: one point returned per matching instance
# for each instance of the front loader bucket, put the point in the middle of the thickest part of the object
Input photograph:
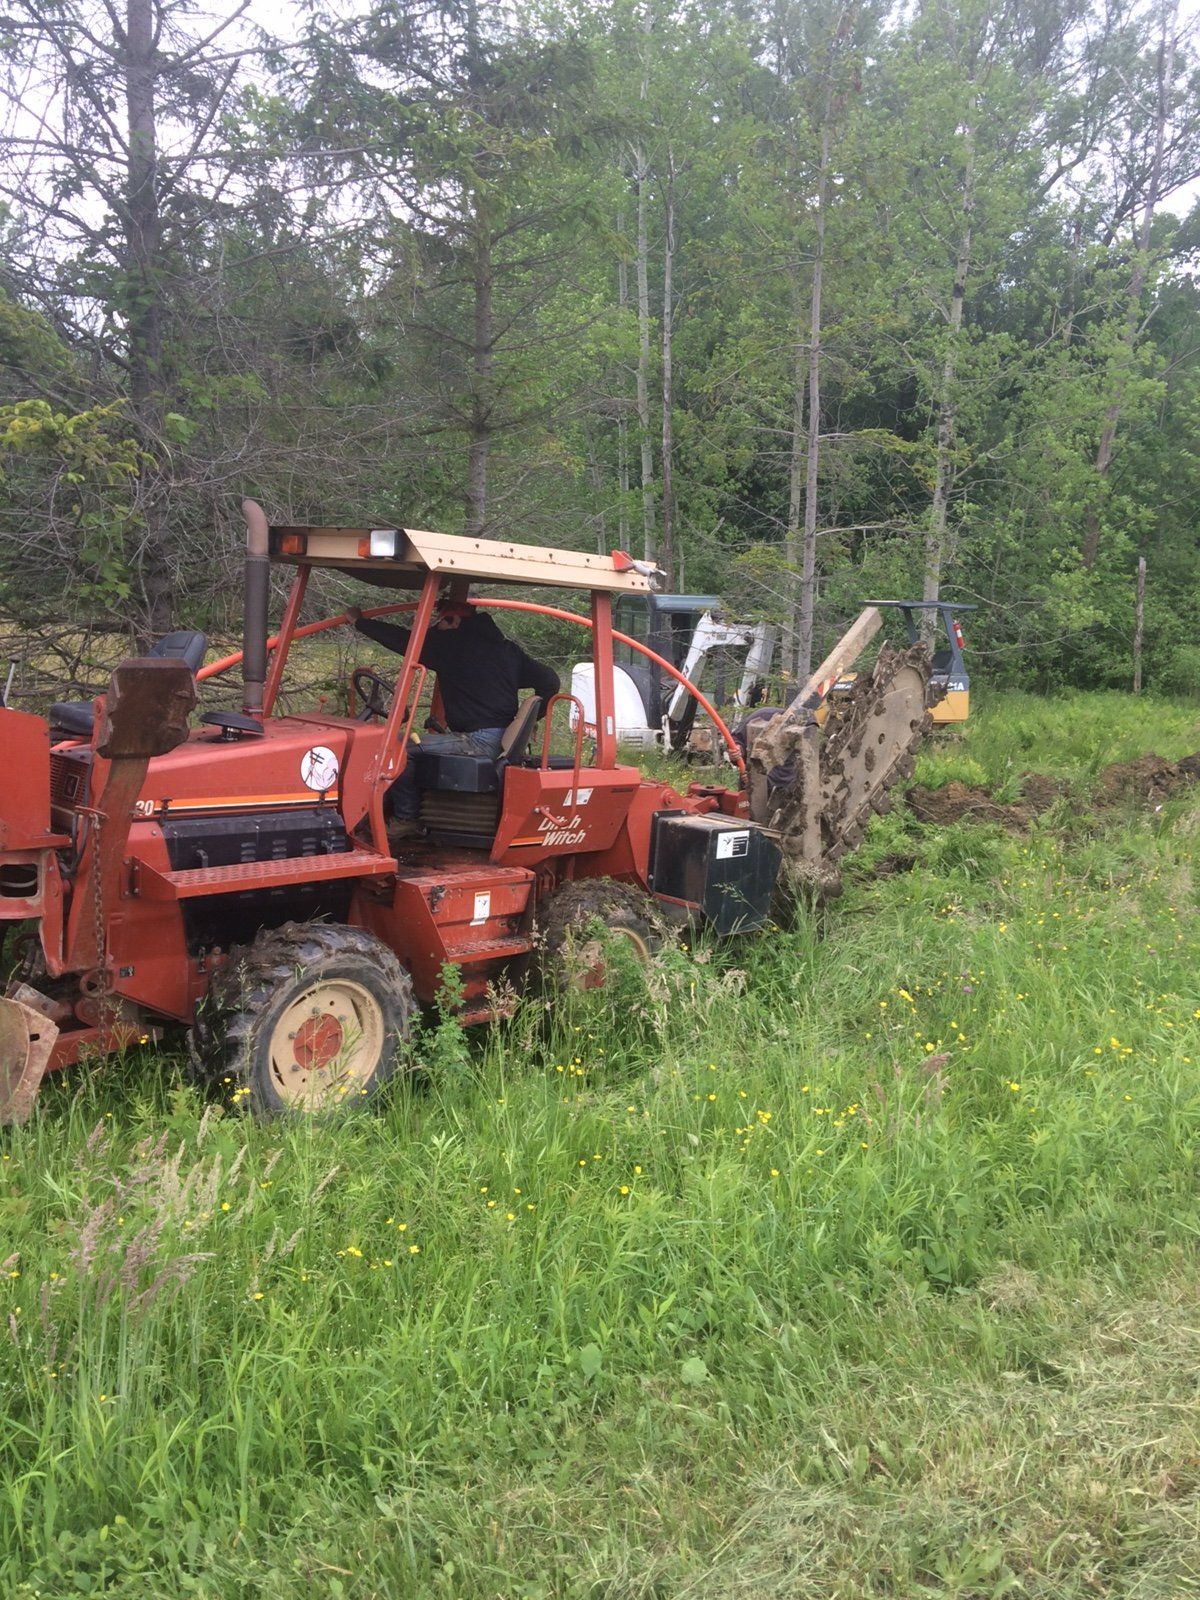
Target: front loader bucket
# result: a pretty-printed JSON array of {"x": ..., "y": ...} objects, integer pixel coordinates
[{"x": 26, "y": 1041}]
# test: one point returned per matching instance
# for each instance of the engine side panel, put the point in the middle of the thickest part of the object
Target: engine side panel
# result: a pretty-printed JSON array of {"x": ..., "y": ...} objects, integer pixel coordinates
[{"x": 218, "y": 921}]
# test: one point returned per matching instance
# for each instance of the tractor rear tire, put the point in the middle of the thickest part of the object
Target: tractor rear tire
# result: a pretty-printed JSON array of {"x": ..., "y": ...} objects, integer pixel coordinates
[
  {"x": 570, "y": 956},
  {"x": 309, "y": 1017}
]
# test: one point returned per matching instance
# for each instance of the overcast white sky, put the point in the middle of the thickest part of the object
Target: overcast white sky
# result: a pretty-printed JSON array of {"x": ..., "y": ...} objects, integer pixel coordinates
[{"x": 283, "y": 19}]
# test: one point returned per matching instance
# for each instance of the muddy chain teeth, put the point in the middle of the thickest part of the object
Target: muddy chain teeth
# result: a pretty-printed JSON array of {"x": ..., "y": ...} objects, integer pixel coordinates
[{"x": 845, "y": 828}]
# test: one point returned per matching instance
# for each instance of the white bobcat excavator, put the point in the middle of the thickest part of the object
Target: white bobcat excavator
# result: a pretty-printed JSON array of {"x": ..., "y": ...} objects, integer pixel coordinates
[{"x": 691, "y": 632}]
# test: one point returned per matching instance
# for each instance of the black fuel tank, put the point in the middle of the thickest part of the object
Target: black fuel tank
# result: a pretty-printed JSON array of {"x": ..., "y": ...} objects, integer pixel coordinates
[{"x": 724, "y": 869}]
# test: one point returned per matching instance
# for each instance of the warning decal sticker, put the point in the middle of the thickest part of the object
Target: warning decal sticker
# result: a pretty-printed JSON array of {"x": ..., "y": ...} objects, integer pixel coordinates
[
  {"x": 733, "y": 844},
  {"x": 319, "y": 768}
]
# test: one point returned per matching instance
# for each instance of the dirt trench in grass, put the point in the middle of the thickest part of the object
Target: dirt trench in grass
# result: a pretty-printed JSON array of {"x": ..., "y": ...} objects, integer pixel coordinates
[{"x": 1148, "y": 781}]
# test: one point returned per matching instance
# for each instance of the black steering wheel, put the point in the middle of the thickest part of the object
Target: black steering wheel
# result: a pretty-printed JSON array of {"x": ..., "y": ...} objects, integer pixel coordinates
[{"x": 374, "y": 691}]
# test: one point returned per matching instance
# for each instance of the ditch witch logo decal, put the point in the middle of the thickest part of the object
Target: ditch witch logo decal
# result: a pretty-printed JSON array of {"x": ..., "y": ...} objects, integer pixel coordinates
[
  {"x": 552, "y": 831},
  {"x": 556, "y": 831}
]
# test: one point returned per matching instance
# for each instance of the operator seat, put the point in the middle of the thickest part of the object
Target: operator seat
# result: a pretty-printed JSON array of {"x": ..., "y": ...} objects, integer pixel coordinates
[
  {"x": 77, "y": 717},
  {"x": 519, "y": 732},
  {"x": 460, "y": 794}
]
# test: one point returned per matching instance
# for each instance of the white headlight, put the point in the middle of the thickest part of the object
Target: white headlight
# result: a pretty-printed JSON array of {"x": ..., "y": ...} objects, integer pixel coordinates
[{"x": 383, "y": 542}]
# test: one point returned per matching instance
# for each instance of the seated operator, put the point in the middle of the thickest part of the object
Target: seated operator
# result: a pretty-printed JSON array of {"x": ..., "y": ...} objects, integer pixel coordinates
[{"x": 479, "y": 672}]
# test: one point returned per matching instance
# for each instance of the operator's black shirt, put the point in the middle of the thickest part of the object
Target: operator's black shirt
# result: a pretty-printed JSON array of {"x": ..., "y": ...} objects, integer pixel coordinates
[{"x": 479, "y": 671}]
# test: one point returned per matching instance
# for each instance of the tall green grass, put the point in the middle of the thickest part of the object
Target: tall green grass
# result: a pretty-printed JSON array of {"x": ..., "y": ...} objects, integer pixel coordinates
[
  {"x": 854, "y": 1260},
  {"x": 1070, "y": 736}
]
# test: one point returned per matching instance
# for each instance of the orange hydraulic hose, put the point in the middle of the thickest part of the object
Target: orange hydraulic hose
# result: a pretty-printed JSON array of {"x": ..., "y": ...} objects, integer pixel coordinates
[
  {"x": 215, "y": 668},
  {"x": 223, "y": 665},
  {"x": 651, "y": 655}
]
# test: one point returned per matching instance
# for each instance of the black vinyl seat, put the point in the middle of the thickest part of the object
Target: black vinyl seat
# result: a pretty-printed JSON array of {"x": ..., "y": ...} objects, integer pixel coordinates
[
  {"x": 77, "y": 717},
  {"x": 460, "y": 794},
  {"x": 463, "y": 774}
]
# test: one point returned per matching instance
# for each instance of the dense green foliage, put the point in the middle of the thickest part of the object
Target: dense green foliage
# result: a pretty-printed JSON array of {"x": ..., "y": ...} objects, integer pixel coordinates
[
  {"x": 846, "y": 1261},
  {"x": 414, "y": 264}
]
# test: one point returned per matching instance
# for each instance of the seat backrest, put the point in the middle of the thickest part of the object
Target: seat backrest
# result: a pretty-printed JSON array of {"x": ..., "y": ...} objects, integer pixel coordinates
[
  {"x": 185, "y": 644},
  {"x": 519, "y": 732},
  {"x": 77, "y": 718}
]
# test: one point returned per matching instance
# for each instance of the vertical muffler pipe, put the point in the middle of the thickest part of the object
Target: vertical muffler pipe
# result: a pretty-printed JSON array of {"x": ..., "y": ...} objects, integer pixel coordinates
[{"x": 257, "y": 600}]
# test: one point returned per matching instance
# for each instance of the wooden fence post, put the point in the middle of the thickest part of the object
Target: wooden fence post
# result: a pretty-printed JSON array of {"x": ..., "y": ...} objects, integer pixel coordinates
[{"x": 1139, "y": 617}]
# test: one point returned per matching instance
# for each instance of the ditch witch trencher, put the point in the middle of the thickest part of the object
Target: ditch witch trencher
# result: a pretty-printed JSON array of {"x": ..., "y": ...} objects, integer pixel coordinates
[{"x": 232, "y": 874}]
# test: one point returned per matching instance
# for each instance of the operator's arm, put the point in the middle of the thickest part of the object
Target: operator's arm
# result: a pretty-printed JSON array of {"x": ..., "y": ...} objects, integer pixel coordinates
[
  {"x": 543, "y": 680},
  {"x": 384, "y": 633}
]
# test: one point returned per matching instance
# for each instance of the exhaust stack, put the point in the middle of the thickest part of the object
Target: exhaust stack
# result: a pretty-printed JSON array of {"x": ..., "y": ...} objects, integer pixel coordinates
[{"x": 257, "y": 600}]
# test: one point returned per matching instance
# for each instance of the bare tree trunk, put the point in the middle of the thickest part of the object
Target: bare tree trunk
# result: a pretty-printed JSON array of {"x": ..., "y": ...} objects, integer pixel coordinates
[
  {"x": 796, "y": 470},
  {"x": 1141, "y": 267},
  {"x": 143, "y": 241},
  {"x": 479, "y": 445},
  {"x": 808, "y": 563},
  {"x": 596, "y": 482},
  {"x": 667, "y": 546},
  {"x": 643, "y": 294},
  {"x": 643, "y": 371},
  {"x": 479, "y": 438},
  {"x": 622, "y": 424},
  {"x": 935, "y": 532},
  {"x": 1139, "y": 620}
]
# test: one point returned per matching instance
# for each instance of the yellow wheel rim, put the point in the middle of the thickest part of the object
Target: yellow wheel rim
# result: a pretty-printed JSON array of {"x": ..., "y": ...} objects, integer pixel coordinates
[{"x": 326, "y": 1045}]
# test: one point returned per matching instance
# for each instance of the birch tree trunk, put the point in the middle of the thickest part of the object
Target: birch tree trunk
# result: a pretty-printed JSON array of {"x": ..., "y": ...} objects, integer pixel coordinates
[
  {"x": 479, "y": 436},
  {"x": 1137, "y": 282},
  {"x": 643, "y": 371},
  {"x": 595, "y": 479},
  {"x": 666, "y": 557},
  {"x": 796, "y": 471},
  {"x": 622, "y": 422},
  {"x": 935, "y": 532},
  {"x": 641, "y": 171},
  {"x": 143, "y": 244},
  {"x": 808, "y": 558}
]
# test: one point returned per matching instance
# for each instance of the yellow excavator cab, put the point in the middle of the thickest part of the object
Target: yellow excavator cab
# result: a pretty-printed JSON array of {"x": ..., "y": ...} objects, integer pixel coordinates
[{"x": 949, "y": 668}]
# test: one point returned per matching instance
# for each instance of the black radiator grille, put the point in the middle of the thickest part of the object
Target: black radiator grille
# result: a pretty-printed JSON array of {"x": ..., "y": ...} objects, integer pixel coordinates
[
  {"x": 442, "y": 812},
  {"x": 69, "y": 775}
]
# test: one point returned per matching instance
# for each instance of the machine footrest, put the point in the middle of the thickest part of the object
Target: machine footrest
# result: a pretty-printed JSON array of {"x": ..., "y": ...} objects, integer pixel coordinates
[
  {"x": 246, "y": 876},
  {"x": 491, "y": 950}
]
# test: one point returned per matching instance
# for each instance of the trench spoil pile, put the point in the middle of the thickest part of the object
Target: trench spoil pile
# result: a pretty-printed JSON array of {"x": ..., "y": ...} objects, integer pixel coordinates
[{"x": 1149, "y": 781}]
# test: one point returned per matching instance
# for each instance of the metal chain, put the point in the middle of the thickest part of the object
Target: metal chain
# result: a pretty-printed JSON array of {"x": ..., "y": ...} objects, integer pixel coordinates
[{"x": 104, "y": 983}]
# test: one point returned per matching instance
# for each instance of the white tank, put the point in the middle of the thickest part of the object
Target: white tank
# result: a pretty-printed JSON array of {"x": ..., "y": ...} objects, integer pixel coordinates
[{"x": 631, "y": 723}]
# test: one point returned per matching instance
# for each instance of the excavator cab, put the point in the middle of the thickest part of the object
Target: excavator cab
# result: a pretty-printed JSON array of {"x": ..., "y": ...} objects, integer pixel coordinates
[
  {"x": 949, "y": 678},
  {"x": 667, "y": 623}
]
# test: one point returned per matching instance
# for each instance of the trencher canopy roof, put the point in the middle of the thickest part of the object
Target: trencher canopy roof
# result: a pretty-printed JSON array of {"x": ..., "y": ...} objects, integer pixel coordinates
[{"x": 399, "y": 558}]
